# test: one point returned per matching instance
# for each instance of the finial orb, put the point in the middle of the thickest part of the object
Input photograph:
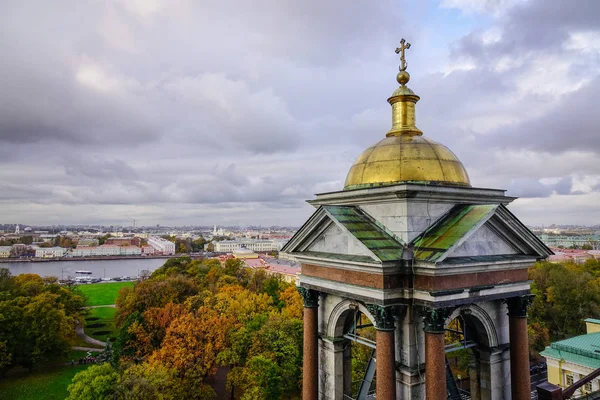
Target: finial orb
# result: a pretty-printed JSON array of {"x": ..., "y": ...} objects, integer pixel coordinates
[{"x": 403, "y": 77}]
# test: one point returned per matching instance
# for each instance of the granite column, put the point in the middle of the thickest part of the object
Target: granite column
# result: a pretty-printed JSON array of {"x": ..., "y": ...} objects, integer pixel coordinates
[
  {"x": 310, "y": 367},
  {"x": 385, "y": 351},
  {"x": 435, "y": 354},
  {"x": 519, "y": 348}
]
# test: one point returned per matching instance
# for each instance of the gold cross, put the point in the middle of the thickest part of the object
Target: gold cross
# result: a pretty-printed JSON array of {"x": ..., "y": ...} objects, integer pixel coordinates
[{"x": 401, "y": 49}]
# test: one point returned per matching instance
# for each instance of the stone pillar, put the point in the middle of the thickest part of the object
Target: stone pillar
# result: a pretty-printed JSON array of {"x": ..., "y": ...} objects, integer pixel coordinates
[
  {"x": 386, "y": 353},
  {"x": 494, "y": 373},
  {"x": 335, "y": 368},
  {"x": 435, "y": 354},
  {"x": 474, "y": 383},
  {"x": 519, "y": 349},
  {"x": 310, "y": 367}
]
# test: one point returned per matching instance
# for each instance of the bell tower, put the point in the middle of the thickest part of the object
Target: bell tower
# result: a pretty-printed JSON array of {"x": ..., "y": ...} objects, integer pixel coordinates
[{"x": 410, "y": 250}]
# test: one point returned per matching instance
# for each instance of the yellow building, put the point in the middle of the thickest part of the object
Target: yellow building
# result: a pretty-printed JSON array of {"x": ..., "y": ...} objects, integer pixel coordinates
[
  {"x": 572, "y": 359},
  {"x": 244, "y": 253},
  {"x": 4, "y": 251}
]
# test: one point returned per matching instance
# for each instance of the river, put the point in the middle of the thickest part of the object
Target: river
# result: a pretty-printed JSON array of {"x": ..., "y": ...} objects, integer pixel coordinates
[{"x": 99, "y": 268}]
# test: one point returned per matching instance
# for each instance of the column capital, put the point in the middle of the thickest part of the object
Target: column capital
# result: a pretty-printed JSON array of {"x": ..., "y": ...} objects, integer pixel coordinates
[
  {"x": 311, "y": 297},
  {"x": 434, "y": 318},
  {"x": 517, "y": 306},
  {"x": 384, "y": 316}
]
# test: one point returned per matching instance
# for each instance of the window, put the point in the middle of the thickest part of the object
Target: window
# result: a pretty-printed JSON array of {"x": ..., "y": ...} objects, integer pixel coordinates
[
  {"x": 587, "y": 387},
  {"x": 569, "y": 380}
]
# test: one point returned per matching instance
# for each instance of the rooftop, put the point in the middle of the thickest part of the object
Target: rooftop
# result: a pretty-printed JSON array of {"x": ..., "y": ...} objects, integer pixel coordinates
[{"x": 583, "y": 350}]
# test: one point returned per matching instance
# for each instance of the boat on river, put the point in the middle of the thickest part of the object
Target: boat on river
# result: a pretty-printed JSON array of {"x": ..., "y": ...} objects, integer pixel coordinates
[{"x": 83, "y": 272}]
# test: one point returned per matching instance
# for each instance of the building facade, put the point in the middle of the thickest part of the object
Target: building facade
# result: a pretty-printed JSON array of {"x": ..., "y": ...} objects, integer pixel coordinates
[
  {"x": 572, "y": 359},
  {"x": 257, "y": 245},
  {"x": 162, "y": 246},
  {"x": 5, "y": 251},
  {"x": 106, "y": 250},
  {"x": 50, "y": 252}
]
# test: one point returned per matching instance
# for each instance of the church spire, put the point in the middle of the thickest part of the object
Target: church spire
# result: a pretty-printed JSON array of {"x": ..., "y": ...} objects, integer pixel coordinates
[{"x": 403, "y": 100}]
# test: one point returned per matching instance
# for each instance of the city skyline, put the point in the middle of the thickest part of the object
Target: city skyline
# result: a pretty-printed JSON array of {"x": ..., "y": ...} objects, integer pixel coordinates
[{"x": 183, "y": 114}]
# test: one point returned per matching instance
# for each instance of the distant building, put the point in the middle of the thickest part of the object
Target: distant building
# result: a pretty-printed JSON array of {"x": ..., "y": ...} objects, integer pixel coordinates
[
  {"x": 162, "y": 246},
  {"x": 228, "y": 246},
  {"x": 17, "y": 230},
  {"x": 570, "y": 241},
  {"x": 106, "y": 250},
  {"x": 130, "y": 250},
  {"x": 244, "y": 253},
  {"x": 5, "y": 251},
  {"x": 129, "y": 241},
  {"x": 571, "y": 359},
  {"x": 49, "y": 252},
  {"x": 285, "y": 272},
  {"x": 148, "y": 250},
  {"x": 88, "y": 242},
  {"x": 572, "y": 255}
]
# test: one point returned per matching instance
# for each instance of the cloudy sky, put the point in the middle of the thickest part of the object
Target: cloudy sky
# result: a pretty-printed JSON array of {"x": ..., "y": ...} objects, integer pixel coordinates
[{"x": 235, "y": 112}]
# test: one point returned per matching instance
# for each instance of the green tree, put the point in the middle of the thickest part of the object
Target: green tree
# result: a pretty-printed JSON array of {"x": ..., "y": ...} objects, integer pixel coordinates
[
  {"x": 566, "y": 294},
  {"x": 262, "y": 380},
  {"x": 98, "y": 382},
  {"x": 148, "y": 381},
  {"x": 198, "y": 244},
  {"x": 233, "y": 266}
]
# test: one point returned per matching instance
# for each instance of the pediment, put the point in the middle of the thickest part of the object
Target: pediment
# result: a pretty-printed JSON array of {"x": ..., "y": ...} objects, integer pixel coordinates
[
  {"x": 336, "y": 240},
  {"x": 485, "y": 241},
  {"x": 343, "y": 232},
  {"x": 478, "y": 231}
]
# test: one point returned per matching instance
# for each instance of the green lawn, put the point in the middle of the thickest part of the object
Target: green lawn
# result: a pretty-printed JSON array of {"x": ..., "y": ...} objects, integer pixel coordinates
[
  {"x": 50, "y": 384},
  {"x": 101, "y": 294},
  {"x": 100, "y": 323}
]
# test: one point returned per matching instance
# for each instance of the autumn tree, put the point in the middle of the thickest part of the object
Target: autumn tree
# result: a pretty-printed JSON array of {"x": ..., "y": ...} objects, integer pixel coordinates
[
  {"x": 153, "y": 293},
  {"x": 293, "y": 303},
  {"x": 192, "y": 343},
  {"x": 94, "y": 383},
  {"x": 566, "y": 294}
]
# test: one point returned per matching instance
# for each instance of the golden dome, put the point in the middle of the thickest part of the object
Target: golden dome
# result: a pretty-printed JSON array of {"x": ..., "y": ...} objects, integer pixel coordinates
[
  {"x": 405, "y": 155},
  {"x": 406, "y": 158}
]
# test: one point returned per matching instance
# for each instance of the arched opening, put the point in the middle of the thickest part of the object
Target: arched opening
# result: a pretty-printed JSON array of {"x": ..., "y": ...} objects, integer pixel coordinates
[
  {"x": 469, "y": 333},
  {"x": 352, "y": 325}
]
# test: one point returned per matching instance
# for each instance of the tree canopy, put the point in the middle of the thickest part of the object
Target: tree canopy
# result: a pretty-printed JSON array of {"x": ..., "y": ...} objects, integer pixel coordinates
[{"x": 37, "y": 319}]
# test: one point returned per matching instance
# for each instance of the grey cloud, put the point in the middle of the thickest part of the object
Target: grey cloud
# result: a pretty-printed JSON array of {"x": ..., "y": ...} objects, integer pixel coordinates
[
  {"x": 99, "y": 168},
  {"x": 533, "y": 188},
  {"x": 572, "y": 124},
  {"x": 534, "y": 25},
  {"x": 204, "y": 112}
]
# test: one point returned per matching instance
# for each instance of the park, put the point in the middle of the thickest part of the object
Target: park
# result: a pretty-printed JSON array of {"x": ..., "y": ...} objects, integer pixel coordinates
[{"x": 51, "y": 379}]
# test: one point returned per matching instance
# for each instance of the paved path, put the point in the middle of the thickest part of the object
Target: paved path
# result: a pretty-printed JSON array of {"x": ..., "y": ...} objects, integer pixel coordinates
[
  {"x": 84, "y": 349},
  {"x": 81, "y": 334},
  {"x": 107, "y": 305}
]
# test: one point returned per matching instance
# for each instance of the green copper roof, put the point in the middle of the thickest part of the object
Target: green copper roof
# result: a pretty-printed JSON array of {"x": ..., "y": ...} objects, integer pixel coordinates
[
  {"x": 582, "y": 350},
  {"x": 374, "y": 237},
  {"x": 438, "y": 239}
]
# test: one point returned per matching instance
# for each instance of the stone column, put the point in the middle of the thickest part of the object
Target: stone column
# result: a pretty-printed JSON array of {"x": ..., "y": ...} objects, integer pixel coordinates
[
  {"x": 435, "y": 354},
  {"x": 310, "y": 367},
  {"x": 386, "y": 353},
  {"x": 519, "y": 349},
  {"x": 474, "y": 383},
  {"x": 335, "y": 368}
]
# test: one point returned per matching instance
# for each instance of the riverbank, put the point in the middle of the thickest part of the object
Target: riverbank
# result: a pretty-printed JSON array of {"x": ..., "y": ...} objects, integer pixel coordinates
[
  {"x": 101, "y": 258},
  {"x": 101, "y": 268}
]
